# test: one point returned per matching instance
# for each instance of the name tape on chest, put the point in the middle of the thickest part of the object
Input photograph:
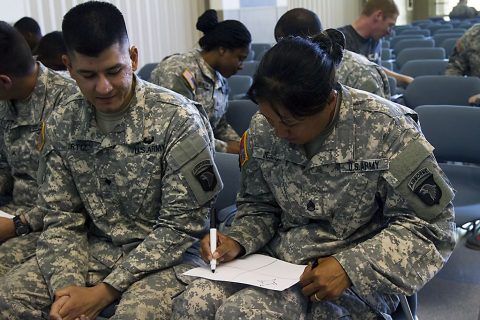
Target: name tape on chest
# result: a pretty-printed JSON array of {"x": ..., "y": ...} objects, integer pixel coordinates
[{"x": 365, "y": 165}]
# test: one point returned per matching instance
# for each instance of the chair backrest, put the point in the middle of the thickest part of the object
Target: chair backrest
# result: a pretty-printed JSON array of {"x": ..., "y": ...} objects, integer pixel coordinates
[
  {"x": 145, "y": 71},
  {"x": 452, "y": 30},
  {"x": 424, "y": 67},
  {"x": 394, "y": 40},
  {"x": 453, "y": 130},
  {"x": 239, "y": 114},
  {"x": 449, "y": 44},
  {"x": 423, "y": 32},
  {"x": 228, "y": 167},
  {"x": 440, "y": 90},
  {"x": 250, "y": 56},
  {"x": 386, "y": 53},
  {"x": 435, "y": 27},
  {"x": 249, "y": 68},
  {"x": 439, "y": 38},
  {"x": 419, "y": 53},
  {"x": 385, "y": 44},
  {"x": 260, "y": 49},
  {"x": 239, "y": 85},
  {"x": 413, "y": 43}
]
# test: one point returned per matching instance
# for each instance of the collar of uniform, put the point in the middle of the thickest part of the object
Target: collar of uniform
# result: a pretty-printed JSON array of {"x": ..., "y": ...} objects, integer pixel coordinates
[
  {"x": 36, "y": 101},
  {"x": 207, "y": 71},
  {"x": 131, "y": 130},
  {"x": 338, "y": 146}
]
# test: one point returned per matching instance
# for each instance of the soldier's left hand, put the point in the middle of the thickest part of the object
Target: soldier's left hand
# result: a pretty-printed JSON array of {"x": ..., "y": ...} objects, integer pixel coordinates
[
  {"x": 327, "y": 281},
  {"x": 82, "y": 302}
]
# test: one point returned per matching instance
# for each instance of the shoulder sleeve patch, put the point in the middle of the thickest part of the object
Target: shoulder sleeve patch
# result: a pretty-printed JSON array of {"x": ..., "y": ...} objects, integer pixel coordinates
[
  {"x": 243, "y": 156},
  {"x": 190, "y": 78},
  {"x": 203, "y": 172}
]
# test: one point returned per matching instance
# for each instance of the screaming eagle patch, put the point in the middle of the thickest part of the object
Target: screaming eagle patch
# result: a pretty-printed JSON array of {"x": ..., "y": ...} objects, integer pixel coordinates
[
  {"x": 205, "y": 175},
  {"x": 425, "y": 187}
]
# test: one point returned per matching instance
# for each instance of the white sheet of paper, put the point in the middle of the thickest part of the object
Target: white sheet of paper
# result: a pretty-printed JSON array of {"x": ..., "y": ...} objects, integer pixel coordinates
[
  {"x": 256, "y": 270},
  {"x": 6, "y": 215}
]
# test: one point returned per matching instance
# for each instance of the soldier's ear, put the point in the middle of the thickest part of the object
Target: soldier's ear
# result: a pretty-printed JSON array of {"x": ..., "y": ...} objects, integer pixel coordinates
[
  {"x": 134, "y": 57},
  {"x": 5, "y": 82},
  {"x": 221, "y": 51},
  {"x": 67, "y": 62}
]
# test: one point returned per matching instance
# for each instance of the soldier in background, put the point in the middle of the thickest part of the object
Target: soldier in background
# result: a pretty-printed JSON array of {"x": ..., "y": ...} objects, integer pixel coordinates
[
  {"x": 50, "y": 50},
  {"x": 331, "y": 174},
  {"x": 200, "y": 75},
  {"x": 355, "y": 71},
  {"x": 30, "y": 30},
  {"x": 465, "y": 59},
  {"x": 126, "y": 185},
  {"x": 463, "y": 11},
  {"x": 29, "y": 92}
]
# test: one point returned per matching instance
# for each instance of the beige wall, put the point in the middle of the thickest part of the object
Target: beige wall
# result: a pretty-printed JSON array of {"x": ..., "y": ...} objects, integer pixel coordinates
[{"x": 332, "y": 13}]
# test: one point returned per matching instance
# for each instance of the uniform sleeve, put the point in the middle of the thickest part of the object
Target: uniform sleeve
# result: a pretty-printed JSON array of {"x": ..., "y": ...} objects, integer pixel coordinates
[
  {"x": 62, "y": 250},
  {"x": 6, "y": 179},
  {"x": 458, "y": 62},
  {"x": 414, "y": 200},
  {"x": 190, "y": 184},
  {"x": 170, "y": 76},
  {"x": 258, "y": 215},
  {"x": 225, "y": 133}
]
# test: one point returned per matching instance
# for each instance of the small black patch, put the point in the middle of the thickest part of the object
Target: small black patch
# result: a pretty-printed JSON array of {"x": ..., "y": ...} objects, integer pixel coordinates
[
  {"x": 429, "y": 192},
  {"x": 205, "y": 175},
  {"x": 148, "y": 140},
  {"x": 311, "y": 206}
]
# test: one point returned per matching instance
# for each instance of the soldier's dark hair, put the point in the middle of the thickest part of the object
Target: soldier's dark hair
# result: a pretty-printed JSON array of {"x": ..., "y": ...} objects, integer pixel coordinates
[
  {"x": 299, "y": 73},
  {"x": 15, "y": 56},
  {"x": 229, "y": 34},
  {"x": 91, "y": 27},
  {"x": 27, "y": 24},
  {"x": 50, "y": 50},
  {"x": 297, "y": 22}
]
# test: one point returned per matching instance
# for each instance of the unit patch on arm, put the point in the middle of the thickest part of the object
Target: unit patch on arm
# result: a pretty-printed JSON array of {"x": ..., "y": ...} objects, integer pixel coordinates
[
  {"x": 425, "y": 187},
  {"x": 205, "y": 175}
]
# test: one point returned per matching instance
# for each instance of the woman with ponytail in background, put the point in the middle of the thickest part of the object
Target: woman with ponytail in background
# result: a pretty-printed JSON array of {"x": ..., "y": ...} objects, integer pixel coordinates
[
  {"x": 200, "y": 75},
  {"x": 334, "y": 178}
]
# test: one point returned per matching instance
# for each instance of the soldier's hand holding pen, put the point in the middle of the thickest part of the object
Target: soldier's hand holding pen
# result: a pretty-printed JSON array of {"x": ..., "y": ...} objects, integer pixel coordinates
[{"x": 227, "y": 248}]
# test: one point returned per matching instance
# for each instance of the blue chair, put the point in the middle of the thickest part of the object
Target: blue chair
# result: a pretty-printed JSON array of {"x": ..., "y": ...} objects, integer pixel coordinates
[
  {"x": 424, "y": 67},
  {"x": 449, "y": 44},
  {"x": 418, "y": 53},
  {"x": 249, "y": 68},
  {"x": 394, "y": 40},
  {"x": 386, "y": 54},
  {"x": 434, "y": 28},
  {"x": 454, "y": 131},
  {"x": 239, "y": 86},
  {"x": 239, "y": 114},
  {"x": 440, "y": 90},
  {"x": 439, "y": 38},
  {"x": 423, "y": 32},
  {"x": 385, "y": 44},
  {"x": 260, "y": 49},
  {"x": 413, "y": 43},
  {"x": 145, "y": 71},
  {"x": 229, "y": 169},
  {"x": 452, "y": 30}
]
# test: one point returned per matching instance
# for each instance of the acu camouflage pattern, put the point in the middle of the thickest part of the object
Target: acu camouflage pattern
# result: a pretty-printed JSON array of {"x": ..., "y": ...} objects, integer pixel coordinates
[
  {"x": 358, "y": 72},
  {"x": 351, "y": 200},
  {"x": 20, "y": 141},
  {"x": 465, "y": 59},
  {"x": 211, "y": 90},
  {"x": 121, "y": 208},
  {"x": 206, "y": 299}
]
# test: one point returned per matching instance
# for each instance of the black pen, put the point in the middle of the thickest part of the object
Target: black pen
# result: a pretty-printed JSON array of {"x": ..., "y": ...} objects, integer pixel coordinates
[{"x": 213, "y": 239}]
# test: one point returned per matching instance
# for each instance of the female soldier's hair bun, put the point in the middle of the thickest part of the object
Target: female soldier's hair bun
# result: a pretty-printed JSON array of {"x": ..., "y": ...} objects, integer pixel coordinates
[
  {"x": 331, "y": 41},
  {"x": 207, "y": 21}
]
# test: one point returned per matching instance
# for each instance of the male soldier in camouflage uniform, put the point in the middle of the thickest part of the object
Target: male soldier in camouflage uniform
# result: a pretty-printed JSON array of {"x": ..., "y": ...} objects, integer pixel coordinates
[
  {"x": 200, "y": 75},
  {"x": 345, "y": 179},
  {"x": 356, "y": 71},
  {"x": 28, "y": 94},
  {"x": 127, "y": 180},
  {"x": 465, "y": 59}
]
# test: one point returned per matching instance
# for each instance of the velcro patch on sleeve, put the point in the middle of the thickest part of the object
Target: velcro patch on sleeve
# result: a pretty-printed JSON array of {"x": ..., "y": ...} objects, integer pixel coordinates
[
  {"x": 190, "y": 78},
  {"x": 203, "y": 172}
]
